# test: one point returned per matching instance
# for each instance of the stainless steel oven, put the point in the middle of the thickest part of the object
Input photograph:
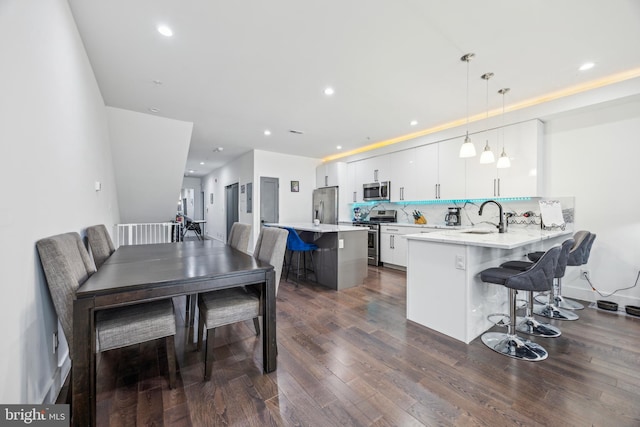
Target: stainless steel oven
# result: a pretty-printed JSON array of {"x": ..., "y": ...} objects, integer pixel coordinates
[
  {"x": 373, "y": 241},
  {"x": 376, "y": 218}
]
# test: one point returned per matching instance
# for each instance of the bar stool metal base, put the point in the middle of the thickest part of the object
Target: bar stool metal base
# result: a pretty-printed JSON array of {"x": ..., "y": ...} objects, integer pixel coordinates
[
  {"x": 561, "y": 302},
  {"x": 553, "y": 312},
  {"x": 514, "y": 346},
  {"x": 530, "y": 326}
]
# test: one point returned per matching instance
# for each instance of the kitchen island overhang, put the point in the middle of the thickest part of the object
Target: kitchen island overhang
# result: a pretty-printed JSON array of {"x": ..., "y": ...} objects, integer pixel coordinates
[{"x": 444, "y": 290}]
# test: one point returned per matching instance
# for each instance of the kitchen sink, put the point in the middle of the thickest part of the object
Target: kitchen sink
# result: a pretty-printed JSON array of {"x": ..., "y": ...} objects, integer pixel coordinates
[{"x": 478, "y": 231}]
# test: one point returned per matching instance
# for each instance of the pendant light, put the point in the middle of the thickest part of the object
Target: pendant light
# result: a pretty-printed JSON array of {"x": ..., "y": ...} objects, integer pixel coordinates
[
  {"x": 487, "y": 155},
  {"x": 467, "y": 149},
  {"x": 504, "y": 161}
]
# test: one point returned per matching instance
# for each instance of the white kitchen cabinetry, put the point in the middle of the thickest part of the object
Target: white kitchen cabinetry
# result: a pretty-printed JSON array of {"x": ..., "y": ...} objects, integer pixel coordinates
[
  {"x": 393, "y": 244},
  {"x": 451, "y": 170},
  {"x": 425, "y": 184},
  {"x": 354, "y": 187},
  {"x": 405, "y": 181},
  {"x": 523, "y": 144},
  {"x": 331, "y": 174}
]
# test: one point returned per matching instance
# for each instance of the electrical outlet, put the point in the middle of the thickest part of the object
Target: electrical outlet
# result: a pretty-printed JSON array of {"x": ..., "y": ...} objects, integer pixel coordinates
[
  {"x": 55, "y": 342},
  {"x": 460, "y": 262},
  {"x": 584, "y": 273}
]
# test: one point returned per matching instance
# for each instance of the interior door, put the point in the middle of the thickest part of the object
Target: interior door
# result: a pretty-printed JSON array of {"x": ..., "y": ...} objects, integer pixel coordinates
[
  {"x": 269, "y": 202},
  {"x": 232, "y": 205}
]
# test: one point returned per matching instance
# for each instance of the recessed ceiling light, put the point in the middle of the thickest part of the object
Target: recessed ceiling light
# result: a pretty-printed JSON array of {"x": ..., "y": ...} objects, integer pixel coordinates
[
  {"x": 339, "y": 147},
  {"x": 413, "y": 122},
  {"x": 154, "y": 110},
  {"x": 202, "y": 163},
  {"x": 329, "y": 91},
  {"x": 191, "y": 171},
  {"x": 267, "y": 132},
  {"x": 165, "y": 31},
  {"x": 586, "y": 66}
]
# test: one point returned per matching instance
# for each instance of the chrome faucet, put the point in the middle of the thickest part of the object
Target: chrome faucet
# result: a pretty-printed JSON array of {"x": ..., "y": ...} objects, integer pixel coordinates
[{"x": 501, "y": 224}]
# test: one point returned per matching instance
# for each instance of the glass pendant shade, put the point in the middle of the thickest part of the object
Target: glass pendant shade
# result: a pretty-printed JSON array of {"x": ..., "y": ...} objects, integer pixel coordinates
[
  {"x": 467, "y": 149},
  {"x": 487, "y": 155},
  {"x": 504, "y": 161}
]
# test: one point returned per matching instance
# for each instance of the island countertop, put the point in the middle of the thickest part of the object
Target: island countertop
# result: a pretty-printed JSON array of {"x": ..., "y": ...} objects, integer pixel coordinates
[
  {"x": 489, "y": 238},
  {"x": 321, "y": 228}
]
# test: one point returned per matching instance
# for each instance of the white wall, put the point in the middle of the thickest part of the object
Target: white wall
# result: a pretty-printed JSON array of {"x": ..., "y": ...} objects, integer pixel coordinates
[
  {"x": 240, "y": 171},
  {"x": 149, "y": 153},
  {"x": 593, "y": 154},
  {"x": 55, "y": 145},
  {"x": 195, "y": 184},
  {"x": 294, "y": 207}
]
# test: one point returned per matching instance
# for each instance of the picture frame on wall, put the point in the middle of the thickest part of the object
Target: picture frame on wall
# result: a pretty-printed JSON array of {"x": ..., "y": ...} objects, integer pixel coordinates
[{"x": 295, "y": 186}]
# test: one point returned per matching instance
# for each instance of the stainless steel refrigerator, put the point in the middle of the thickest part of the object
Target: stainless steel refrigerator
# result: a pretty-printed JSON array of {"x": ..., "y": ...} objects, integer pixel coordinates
[{"x": 325, "y": 205}]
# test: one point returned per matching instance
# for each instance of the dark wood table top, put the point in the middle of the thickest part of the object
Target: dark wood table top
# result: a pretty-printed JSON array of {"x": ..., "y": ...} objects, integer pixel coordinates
[{"x": 139, "y": 266}]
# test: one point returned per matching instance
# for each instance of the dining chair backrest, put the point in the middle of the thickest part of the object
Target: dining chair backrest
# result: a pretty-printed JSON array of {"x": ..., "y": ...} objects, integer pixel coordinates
[
  {"x": 239, "y": 236},
  {"x": 101, "y": 244},
  {"x": 563, "y": 257},
  {"x": 67, "y": 265},
  {"x": 271, "y": 247},
  {"x": 539, "y": 277}
]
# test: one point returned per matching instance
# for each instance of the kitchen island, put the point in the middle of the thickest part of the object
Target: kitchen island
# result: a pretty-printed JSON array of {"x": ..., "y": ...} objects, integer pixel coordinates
[
  {"x": 444, "y": 290},
  {"x": 341, "y": 258}
]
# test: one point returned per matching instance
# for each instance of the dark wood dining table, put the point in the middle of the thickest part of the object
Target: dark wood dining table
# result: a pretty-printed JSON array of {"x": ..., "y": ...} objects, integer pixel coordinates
[{"x": 142, "y": 273}]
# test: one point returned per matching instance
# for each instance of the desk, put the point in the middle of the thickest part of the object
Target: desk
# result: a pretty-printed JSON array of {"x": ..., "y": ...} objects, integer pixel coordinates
[{"x": 142, "y": 273}]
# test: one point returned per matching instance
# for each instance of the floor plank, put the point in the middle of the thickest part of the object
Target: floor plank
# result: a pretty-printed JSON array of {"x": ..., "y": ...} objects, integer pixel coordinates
[{"x": 350, "y": 358}]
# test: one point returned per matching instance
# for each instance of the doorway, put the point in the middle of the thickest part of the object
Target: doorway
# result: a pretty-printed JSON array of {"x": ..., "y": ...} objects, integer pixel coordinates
[
  {"x": 232, "y": 205},
  {"x": 269, "y": 200}
]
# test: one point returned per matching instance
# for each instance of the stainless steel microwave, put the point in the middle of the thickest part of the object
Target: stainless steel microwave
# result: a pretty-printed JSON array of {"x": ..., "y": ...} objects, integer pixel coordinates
[{"x": 376, "y": 191}]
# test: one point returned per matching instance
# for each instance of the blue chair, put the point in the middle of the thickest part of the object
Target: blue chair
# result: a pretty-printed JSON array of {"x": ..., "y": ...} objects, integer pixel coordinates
[{"x": 296, "y": 245}]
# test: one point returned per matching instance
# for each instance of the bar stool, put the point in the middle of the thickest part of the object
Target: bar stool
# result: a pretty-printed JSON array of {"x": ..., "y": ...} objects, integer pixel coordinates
[
  {"x": 537, "y": 278},
  {"x": 528, "y": 324},
  {"x": 296, "y": 244},
  {"x": 579, "y": 255}
]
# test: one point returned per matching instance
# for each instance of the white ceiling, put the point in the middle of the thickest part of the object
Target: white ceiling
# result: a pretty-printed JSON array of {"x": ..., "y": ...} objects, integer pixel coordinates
[{"x": 236, "y": 68}]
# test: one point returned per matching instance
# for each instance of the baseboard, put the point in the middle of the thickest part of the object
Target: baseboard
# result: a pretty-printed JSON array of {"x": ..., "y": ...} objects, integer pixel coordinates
[
  {"x": 585, "y": 294},
  {"x": 57, "y": 381}
]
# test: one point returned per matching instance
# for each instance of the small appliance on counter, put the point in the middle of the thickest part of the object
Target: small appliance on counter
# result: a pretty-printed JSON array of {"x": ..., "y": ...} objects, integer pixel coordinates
[{"x": 453, "y": 217}]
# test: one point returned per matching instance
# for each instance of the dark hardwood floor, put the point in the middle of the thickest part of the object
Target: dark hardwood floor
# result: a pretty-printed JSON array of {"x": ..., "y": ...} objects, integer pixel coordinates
[{"x": 351, "y": 358}]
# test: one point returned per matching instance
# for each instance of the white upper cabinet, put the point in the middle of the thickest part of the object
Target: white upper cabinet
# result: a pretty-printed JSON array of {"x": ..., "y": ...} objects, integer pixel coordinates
[
  {"x": 331, "y": 174},
  {"x": 404, "y": 167},
  {"x": 451, "y": 170},
  {"x": 523, "y": 143},
  {"x": 425, "y": 168},
  {"x": 354, "y": 188}
]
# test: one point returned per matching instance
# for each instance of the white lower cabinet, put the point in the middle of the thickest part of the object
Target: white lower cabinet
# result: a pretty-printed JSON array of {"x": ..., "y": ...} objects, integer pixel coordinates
[{"x": 393, "y": 244}]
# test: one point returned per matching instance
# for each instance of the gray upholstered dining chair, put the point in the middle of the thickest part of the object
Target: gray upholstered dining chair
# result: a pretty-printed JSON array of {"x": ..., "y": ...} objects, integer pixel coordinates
[
  {"x": 67, "y": 265},
  {"x": 227, "y": 306},
  {"x": 100, "y": 243},
  {"x": 239, "y": 236},
  {"x": 238, "y": 239}
]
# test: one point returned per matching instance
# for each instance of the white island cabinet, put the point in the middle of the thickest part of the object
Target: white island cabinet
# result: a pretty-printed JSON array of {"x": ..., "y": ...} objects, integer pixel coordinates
[{"x": 444, "y": 290}]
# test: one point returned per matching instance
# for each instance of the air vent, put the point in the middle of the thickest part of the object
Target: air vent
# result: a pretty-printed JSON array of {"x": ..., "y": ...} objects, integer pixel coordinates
[{"x": 297, "y": 132}]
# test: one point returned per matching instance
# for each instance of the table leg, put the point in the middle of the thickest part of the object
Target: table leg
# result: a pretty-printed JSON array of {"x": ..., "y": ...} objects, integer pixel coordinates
[
  {"x": 269, "y": 343},
  {"x": 83, "y": 364}
]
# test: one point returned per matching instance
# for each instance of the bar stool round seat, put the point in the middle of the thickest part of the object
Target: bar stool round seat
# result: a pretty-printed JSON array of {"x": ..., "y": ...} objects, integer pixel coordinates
[
  {"x": 537, "y": 278},
  {"x": 528, "y": 324}
]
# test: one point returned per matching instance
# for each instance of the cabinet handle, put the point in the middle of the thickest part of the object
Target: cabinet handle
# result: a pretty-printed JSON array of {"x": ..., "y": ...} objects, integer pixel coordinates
[
  {"x": 326, "y": 180},
  {"x": 375, "y": 175},
  {"x": 401, "y": 193},
  {"x": 439, "y": 195},
  {"x": 494, "y": 187},
  {"x": 392, "y": 229},
  {"x": 436, "y": 191},
  {"x": 498, "y": 186},
  {"x": 393, "y": 241},
  {"x": 354, "y": 197}
]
